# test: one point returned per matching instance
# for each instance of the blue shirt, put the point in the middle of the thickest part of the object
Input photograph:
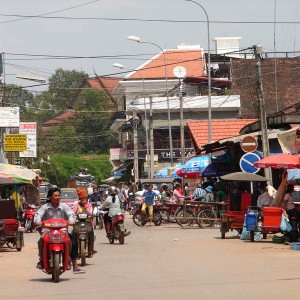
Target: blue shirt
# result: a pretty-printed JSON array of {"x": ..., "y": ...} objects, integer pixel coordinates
[{"x": 149, "y": 197}]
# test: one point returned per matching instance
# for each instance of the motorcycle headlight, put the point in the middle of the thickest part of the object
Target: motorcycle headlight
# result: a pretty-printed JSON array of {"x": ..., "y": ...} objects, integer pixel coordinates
[{"x": 82, "y": 216}]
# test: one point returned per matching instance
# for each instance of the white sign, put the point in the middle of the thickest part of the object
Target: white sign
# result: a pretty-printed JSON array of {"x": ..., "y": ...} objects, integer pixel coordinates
[
  {"x": 9, "y": 116},
  {"x": 29, "y": 128}
]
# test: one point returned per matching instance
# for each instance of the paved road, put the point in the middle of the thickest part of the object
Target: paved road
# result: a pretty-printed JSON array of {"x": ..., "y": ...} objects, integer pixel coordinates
[{"x": 161, "y": 263}]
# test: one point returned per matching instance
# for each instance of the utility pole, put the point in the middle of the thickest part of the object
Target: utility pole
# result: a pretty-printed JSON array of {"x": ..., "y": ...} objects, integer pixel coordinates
[
  {"x": 135, "y": 146},
  {"x": 263, "y": 117},
  {"x": 2, "y": 102},
  {"x": 181, "y": 125},
  {"x": 151, "y": 141}
]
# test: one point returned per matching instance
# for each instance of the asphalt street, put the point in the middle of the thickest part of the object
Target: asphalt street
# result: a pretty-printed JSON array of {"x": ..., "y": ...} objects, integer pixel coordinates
[{"x": 164, "y": 262}]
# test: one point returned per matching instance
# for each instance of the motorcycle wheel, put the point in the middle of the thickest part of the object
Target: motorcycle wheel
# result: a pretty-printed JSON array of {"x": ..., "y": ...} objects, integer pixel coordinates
[
  {"x": 121, "y": 238},
  {"x": 55, "y": 271},
  {"x": 157, "y": 219},
  {"x": 206, "y": 218},
  {"x": 185, "y": 218},
  {"x": 28, "y": 225},
  {"x": 100, "y": 222},
  {"x": 82, "y": 253},
  {"x": 137, "y": 218}
]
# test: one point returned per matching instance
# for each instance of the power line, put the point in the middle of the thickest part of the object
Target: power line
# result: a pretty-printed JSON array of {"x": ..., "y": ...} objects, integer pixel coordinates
[
  {"x": 43, "y": 16},
  {"x": 23, "y": 17}
]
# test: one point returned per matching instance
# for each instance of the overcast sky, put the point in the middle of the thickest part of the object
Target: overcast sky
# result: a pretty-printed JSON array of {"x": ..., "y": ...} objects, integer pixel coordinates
[{"x": 100, "y": 37}]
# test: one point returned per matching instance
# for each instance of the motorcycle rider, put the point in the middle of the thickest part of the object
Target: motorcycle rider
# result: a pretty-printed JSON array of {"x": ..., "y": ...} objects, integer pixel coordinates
[
  {"x": 84, "y": 206},
  {"x": 148, "y": 199},
  {"x": 113, "y": 204},
  {"x": 55, "y": 209},
  {"x": 95, "y": 197}
]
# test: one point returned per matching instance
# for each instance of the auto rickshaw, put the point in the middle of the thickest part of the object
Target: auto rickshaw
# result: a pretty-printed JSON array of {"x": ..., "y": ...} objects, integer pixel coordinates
[{"x": 241, "y": 190}]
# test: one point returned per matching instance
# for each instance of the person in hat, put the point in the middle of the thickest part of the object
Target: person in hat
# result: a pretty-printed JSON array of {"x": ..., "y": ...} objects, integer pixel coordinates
[
  {"x": 82, "y": 205},
  {"x": 209, "y": 196}
]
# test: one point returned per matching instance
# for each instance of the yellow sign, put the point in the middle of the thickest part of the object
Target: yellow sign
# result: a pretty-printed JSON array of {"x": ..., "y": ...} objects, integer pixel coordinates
[{"x": 15, "y": 142}]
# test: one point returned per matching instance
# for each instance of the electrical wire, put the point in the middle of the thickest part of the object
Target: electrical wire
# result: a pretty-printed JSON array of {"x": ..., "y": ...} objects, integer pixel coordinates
[
  {"x": 44, "y": 16},
  {"x": 23, "y": 17}
]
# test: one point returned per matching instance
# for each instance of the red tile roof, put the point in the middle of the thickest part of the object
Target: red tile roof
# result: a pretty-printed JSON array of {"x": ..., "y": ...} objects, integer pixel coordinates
[
  {"x": 221, "y": 129},
  {"x": 107, "y": 84},
  {"x": 192, "y": 60},
  {"x": 69, "y": 114}
]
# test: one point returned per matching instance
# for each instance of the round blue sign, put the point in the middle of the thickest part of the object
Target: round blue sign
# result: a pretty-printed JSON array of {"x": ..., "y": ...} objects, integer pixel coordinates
[{"x": 247, "y": 161}]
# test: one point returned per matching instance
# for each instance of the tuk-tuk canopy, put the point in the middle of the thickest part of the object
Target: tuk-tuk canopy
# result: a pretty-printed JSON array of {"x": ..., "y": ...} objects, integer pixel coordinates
[{"x": 243, "y": 176}]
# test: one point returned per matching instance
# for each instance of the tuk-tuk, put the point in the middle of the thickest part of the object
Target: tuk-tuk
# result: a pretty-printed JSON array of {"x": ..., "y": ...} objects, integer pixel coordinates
[{"x": 242, "y": 192}]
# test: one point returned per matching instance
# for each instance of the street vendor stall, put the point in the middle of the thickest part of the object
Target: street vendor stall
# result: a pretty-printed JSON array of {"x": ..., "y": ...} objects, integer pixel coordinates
[{"x": 14, "y": 183}]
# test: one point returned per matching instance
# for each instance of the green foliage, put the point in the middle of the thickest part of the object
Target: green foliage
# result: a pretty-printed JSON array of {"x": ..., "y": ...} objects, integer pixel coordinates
[
  {"x": 63, "y": 87},
  {"x": 63, "y": 166}
]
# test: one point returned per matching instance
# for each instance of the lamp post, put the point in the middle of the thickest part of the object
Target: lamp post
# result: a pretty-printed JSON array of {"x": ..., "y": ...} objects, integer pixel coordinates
[
  {"x": 208, "y": 71},
  {"x": 117, "y": 65},
  {"x": 138, "y": 40}
]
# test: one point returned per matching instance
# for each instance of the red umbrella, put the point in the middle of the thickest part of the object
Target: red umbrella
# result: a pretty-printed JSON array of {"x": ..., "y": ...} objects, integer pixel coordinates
[{"x": 279, "y": 161}]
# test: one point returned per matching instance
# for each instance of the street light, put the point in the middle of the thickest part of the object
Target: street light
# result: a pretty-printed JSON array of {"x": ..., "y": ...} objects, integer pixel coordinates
[
  {"x": 208, "y": 71},
  {"x": 117, "y": 65},
  {"x": 138, "y": 40},
  {"x": 31, "y": 78}
]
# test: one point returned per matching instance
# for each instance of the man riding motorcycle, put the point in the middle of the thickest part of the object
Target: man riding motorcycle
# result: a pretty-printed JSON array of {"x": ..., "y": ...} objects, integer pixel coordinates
[
  {"x": 113, "y": 204},
  {"x": 84, "y": 206},
  {"x": 55, "y": 209}
]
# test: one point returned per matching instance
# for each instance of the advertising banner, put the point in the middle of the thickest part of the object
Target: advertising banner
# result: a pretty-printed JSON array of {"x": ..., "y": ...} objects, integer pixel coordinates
[
  {"x": 29, "y": 128},
  {"x": 9, "y": 116},
  {"x": 290, "y": 140}
]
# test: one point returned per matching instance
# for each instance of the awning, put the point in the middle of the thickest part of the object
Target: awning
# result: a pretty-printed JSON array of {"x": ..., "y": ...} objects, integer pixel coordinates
[{"x": 108, "y": 180}]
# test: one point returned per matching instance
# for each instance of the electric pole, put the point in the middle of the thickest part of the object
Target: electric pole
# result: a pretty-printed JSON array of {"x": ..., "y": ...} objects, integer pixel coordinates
[
  {"x": 263, "y": 117},
  {"x": 181, "y": 125},
  {"x": 151, "y": 140},
  {"x": 135, "y": 146}
]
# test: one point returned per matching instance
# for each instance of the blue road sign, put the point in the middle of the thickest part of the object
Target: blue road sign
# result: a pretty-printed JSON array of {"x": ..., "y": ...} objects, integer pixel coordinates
[{"x": 247, "y": 161}]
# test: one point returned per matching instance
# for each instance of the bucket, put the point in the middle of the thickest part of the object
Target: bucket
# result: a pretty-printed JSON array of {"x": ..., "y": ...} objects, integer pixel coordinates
[
  {"x": 278, "y": 239},
  {"x": 295, "y": 246}
]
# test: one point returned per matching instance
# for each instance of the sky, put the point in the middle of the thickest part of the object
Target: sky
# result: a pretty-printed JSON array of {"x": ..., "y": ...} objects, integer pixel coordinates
[{"x": 102, "y": 27}]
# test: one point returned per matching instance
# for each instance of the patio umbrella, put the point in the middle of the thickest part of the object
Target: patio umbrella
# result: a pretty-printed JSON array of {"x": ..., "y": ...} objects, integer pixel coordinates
[
  {"x": 194, "y": 167},
  {"x": 18, "y": 172},
  {"x": 162, "y": 173},
  {"x": 174, "y": 171},
  {"x": 10, "y": 179},
  {"x": 279, "y": 161}
]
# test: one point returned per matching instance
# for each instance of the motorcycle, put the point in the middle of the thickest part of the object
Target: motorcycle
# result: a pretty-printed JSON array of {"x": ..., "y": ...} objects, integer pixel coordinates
[
  {"x": 98, "y": 213},
  {"x": 140, "y": 219},
  {"x": 82, "y": 229},
  {"x": 28, "y": 218},
  {"x": 117, "y": 229},
  {"x": 55, "y": 247}
]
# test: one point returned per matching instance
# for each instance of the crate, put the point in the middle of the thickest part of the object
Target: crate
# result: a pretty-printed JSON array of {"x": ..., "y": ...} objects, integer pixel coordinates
[
  {"x": 272, "y": 218},
  {"x": 295, "y": 246}
]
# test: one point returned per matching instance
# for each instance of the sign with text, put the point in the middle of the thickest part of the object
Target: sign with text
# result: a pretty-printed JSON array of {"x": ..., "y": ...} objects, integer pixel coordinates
[
  {"x": 15, "y": 142},
  {"x": 9, "y": 116},
  {"x": 290, "y": 140},
  {"x": 29, "y": 128}
]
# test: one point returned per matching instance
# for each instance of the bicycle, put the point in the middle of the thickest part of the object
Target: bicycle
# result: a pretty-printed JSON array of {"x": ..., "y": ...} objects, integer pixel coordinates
[
  {"x": 209, "y": 216},
  {"x": 185, "y": 216}
]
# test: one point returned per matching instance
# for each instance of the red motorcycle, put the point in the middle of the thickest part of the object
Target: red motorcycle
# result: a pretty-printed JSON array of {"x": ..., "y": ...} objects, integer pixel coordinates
[
  {"x": 117, "y": 229},
  {"x": 140, "y": 219},
  {"x": 56, "y": 247},
  {"x": 28, "y": 218}
]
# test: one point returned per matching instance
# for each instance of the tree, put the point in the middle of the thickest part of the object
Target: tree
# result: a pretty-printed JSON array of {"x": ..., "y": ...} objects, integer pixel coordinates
[
  {"x": 63, "y": 86},
  {"x": 89, "y": 130}
]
